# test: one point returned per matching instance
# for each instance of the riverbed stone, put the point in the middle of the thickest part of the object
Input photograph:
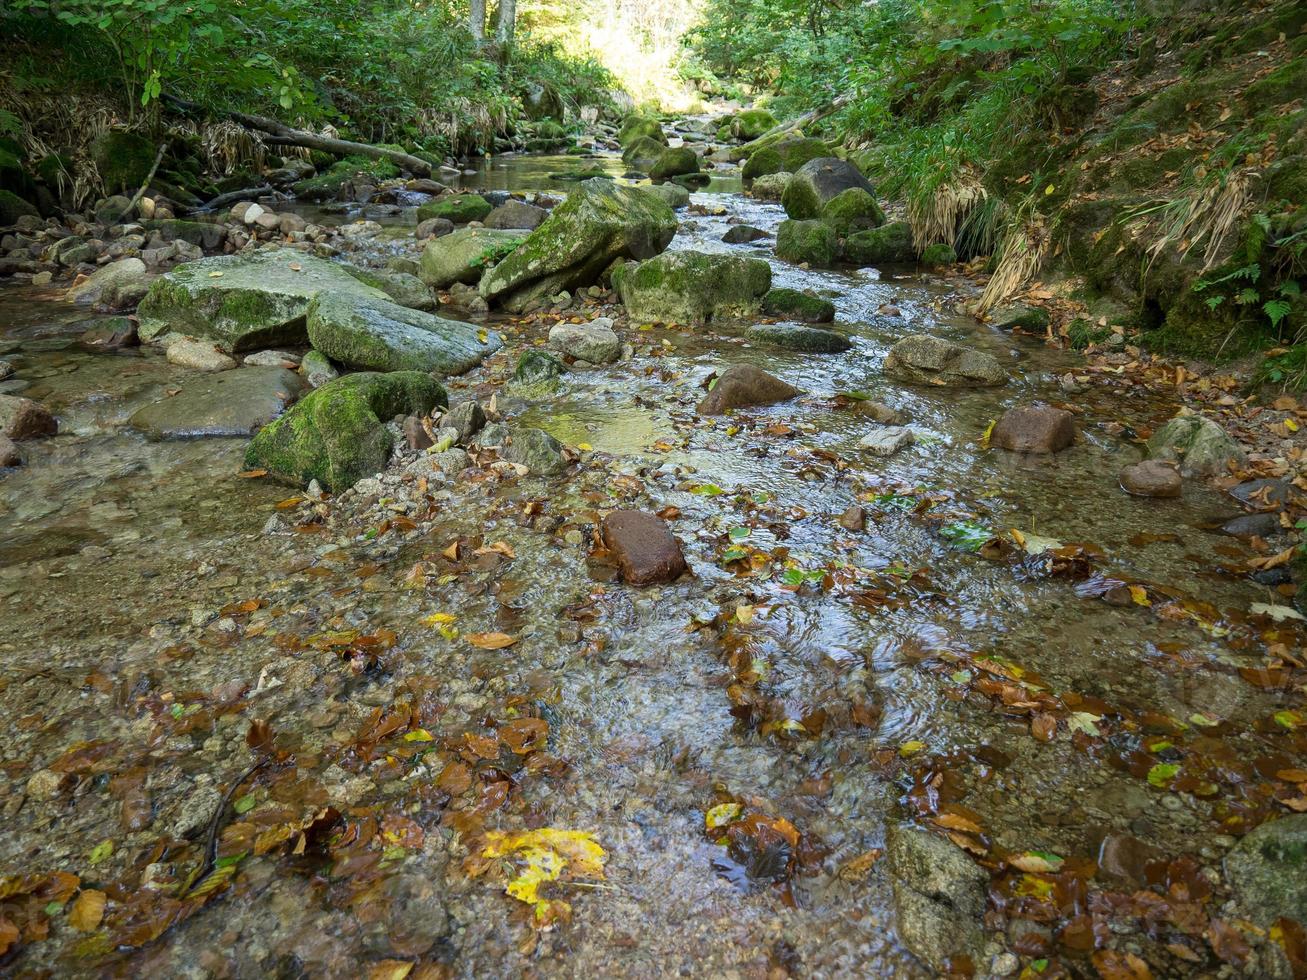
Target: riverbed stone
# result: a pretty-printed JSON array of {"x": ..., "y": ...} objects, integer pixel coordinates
[
  {"x": 116, "y": 285},
  {"x": 232, "y": 403},
  {"x": 337, "y": 434},
  {"x": 1199, "y": 444},
  {"x": 887, "y": 440},
  {"x": 784, "y": 155},
  {"x": 771, "y": 187},
  {"x": 458, "y": 208},
  {"x": 10, "y": 455},
  {"x": 434, "y": 228},
  {"x": 643, "y": 152},
  {"x": 1266, "y": 493},
  {"x": 535, "y": 449},
  {"x": 852, "y": 210},
  {"x": 674, "y": 162},
  {"x": 516, "y": 214},
  {"x": 743, "y": 234},
  {"x": 112, "y": 333},
  {"x": 402, "y": 287},
  {"x": 466, "y": 418},
  {"x": 272, "y": 358},
  {"x": 694, "y": 287},
  {"x": 818, "y": 182},
  {"x": 245, "y": 302},
  {"x": 646, "y": 550},
  {"x": 1267, "y": 870},
  {"x": 939, "y": 895},
  {"x": 799, "y": 337},
  {"x": 317, "y": 369},
  {"x": 536, "y": 367},
  {"x": 377, "y": 335},
  {"x": 21, "y": 418},
  {"x": 198, "y": 355},
  {"x": 1249, "y": 526},
  {"x": 743, "y": 386},
  {"x": 797, "y": 305},
  {"x": 1034, "y": 429},
  {"x": 673, "y": 195},
  {"x": 465, "y": 255},
  {"x": 1032, "y": 319},
  {"x": 887, "y": 245},
  {"x": 595, "y": 342},
  {"x": 810, "y": 242},
  {"x": 1151, "y": 478},
  {"x": 599, "y": 222},
  {"x": 923, "y": 359}
]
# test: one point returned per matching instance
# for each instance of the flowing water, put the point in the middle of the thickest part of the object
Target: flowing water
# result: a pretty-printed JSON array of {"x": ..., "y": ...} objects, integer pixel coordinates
[{"x": 832, "y": 704}]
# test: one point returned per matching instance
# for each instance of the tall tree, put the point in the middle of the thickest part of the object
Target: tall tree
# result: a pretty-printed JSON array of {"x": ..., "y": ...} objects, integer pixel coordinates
[
  {"x": 505, "y": 25},
  {"x": 476, "y": 20}
]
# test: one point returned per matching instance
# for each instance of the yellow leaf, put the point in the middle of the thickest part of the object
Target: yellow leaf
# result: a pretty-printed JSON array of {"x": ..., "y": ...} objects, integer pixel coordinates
[
  {"x": 1049, "y": 190},
  {"x": 545, "y": 855},
  {"x": 435, "y": 619},
  {"x": 1140, "y": 595},
  {"x": 744, "y": 614},
  {"x": 1291, "y": 425},
  {"x": 1019, "y": 538},
  {"x": 390, "y": 970},
  {"x": 215, "y": 275},
  {"x": 490, "y": 641},
  {"x": 585, "y": 447},
  {"x": 911, "y": 748},
  {"x": 721, "y": 814},
  {"x": 88, "y": 910},
  {"x": 418, "y": 735},
  {"x": 984, "y": 439}
]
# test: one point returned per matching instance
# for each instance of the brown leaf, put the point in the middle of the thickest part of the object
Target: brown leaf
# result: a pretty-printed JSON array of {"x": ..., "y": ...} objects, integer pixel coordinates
[
  {"x": 88, "y": 910},
  {"x": 1114, "y": 965},
  {"x": 1043, "y": 726},
  {"x": 8, "y": 935},
  {"x": 490, "y": 641}
]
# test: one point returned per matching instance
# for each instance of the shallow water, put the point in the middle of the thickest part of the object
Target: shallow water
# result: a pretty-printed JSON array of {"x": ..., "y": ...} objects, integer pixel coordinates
[{"x": 123, "y": 564}]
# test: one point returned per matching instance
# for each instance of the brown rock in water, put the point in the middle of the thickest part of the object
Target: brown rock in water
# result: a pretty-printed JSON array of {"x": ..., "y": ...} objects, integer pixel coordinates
[
  {"x": 22, "y": 418},
  {"x": 1034, "y": 429},
  {"x": 416, "y": 434},
  {"x": 1151, "y": 478},
  {"x": 9, "y": 454},
  {"x": 744, "y": 385},
  {"x": 645, "y": 547},
  {"x": 853, "y": 519},
  {"x": 114, "y": 333}
]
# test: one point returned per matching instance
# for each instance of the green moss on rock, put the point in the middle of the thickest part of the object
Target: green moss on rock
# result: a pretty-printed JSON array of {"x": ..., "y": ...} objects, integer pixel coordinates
[
  {"x": 694, "y": 287},
  {"x": 643, "y": 153},
  {"x": 852, "y": 210},
  {"x": 813, "y": 242},
  {"x": 465, "y": 255},
  {"x": 458, "y": 208},
  {"x": 752, "y": 123},
  {"x": 674, "y": 162},
  {"x": 939, "y": 254},
  {"x": 888, "y": 244},
  {"x": 12, "y": 207},
  {"x": 796, "y": 305},
  {"x": 123, "y": 159},
  {"x": 337, "y": 434},
  {"x": 636, "y": 127}
]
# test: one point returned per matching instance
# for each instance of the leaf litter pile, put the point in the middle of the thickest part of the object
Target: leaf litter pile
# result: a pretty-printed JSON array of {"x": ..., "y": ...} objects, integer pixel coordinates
[{"x": 430, "y": 733}]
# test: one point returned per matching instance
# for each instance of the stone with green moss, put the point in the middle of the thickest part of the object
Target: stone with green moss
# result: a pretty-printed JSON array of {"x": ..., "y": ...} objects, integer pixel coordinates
[
  {"x": 752, "y": 123},
  {"x": 771, "y": 187},
  {"x": 337, "y": 434},
  {"x": 404, "y": 288},
  {"x": 938, "y": 254},
  {"x": 637, "y": 127},
  {"x": 599, "y": 222},
  {"x": 465, "y": 255},
  {"x": 1198, "y": 444},
  {"x": 818, "y": 182},
  {"x": 813, "y": 242},
  {"x": 13, "y": 207},
  {"x": 1267, "y": 871},
  {"x": 797, "y": 305},
  {"x": 1032, "y": 319},
  {"x": 798, "y": 337},
  {"x": 458, "y": 208},
  {"x": 785, "y": 155},
  {"x": 675, "y": 195},
  {"x": 244, "y": 302},
  {"x": 205, "y": 234},
  {"x": 643, "y": 153},
  {"x": 694, "y": 287},
  {"x": 852, "y": 210},
  {"x": 886, "y": 245},
  {"x": 377, "y": 335},
  {"x": 123, "y": 160},
  {"x": 536, "y": 367},
  {"x": 674, "y": 162}
]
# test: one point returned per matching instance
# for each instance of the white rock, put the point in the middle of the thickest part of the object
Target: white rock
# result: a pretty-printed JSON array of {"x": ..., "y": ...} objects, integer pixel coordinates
[
  {"x": 198, "y": 355},
  {"x": 594, "y": 341},
  {"x": 888, "y": 440},
  {"x": 251, "y": 214}
]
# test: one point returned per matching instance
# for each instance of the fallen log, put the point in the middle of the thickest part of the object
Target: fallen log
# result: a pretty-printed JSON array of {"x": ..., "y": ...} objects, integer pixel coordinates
[
  {"x": 290, "y": 136},
  {"x": 808, "y": 118},
  {"x": 231, "y": 197}
]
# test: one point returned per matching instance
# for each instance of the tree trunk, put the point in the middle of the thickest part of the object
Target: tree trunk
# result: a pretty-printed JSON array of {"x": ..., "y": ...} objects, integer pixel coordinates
[
  {"x": 504, "y": 28},
  {"x": 288, "y": 135},
  {"x": 476, "y": 21}
]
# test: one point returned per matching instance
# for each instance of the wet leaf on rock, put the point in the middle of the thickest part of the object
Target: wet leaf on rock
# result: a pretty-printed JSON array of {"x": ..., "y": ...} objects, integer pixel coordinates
[{"x": 541, "y": 856}]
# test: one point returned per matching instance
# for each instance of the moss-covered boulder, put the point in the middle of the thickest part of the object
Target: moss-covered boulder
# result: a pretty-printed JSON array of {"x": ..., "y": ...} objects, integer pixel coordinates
[
  {"x": 1198, "y": 444},
  {"x": 639, "y": 127},
  {"x": 694, "y": 287},
  {"x": 123, "y": 159},
  {"x": 852, "y": 210},
  {"x": 598, "y": 223},
  {"x": 337, "y": 434},
  {"x": 403, "y": 288},
  {"x": 674, "y": 195},
  {"x": 674, "y": 162},
  {"x": 377, "y": 335},
  {"x": 205, "y": 234},
  {"x": 458, "y": 208},
  {"x": 798, "y": 337},
  {"x": 938, "y": 254},
  {"x": 819, "y": 181},
  {"x": 886, "y": 245},
  {"x": 796, "y": 305},
  {"x": 13, "y": 207},
  {"x": 786, "y": 155},
  {"x": 465, "y": 255},
  {"x": 813, "y": 242},
  {"x": 752, "y": 123},
  {"x": 771, "y": 187},
  {"x": 643, "y": 153},
  {"x": 244, "y": 302}
]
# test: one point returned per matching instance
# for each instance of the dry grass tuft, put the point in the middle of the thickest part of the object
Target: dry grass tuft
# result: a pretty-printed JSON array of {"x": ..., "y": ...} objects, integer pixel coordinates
[
  {"x": 937, "y": 218},
  {"x": 1020, "y": 257},
  {"x": 1208, "y": 215}
]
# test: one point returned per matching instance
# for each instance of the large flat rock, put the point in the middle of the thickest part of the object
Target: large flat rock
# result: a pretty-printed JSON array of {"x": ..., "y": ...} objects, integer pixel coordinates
[{"x": 231, "y": 403}]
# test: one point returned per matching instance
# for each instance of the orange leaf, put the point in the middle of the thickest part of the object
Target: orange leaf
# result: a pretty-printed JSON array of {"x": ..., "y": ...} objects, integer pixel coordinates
[
  {"x": 88, "y": 910},
  {"x": 490, "y": 641}
]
